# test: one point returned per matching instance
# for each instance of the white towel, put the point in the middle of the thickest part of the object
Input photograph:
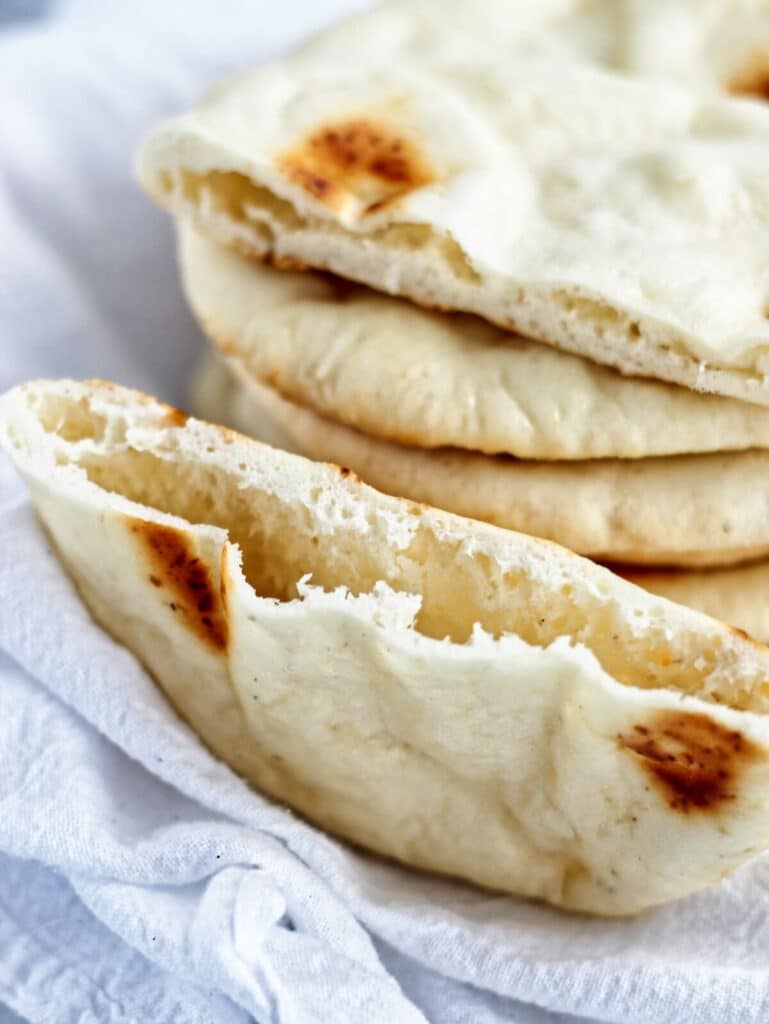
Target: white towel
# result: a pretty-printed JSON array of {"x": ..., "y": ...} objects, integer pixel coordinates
[{"x": 139, "y": 879}]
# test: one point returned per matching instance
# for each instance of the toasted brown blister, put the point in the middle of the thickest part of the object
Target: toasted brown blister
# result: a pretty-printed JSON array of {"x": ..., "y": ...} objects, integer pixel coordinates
[
  {"x": 364, "y": 158},
  {"x": 176, "y": 567},
  {"x": 176, "y": 417},
  {"x": 695, "y": 761},
  {"x": 752, "y": 78}
]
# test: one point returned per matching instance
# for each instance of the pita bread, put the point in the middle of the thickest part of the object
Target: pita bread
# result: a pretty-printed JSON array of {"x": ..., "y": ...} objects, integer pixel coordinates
[
  {"x": 739, "y": 596},
  {"x": 707, "y": 43},
  {"x": 685, "y": 510},
  {"x": 623, "y": 219},
  {"x": 431, "y": 380},
  {"x": 458, "y": 697}
]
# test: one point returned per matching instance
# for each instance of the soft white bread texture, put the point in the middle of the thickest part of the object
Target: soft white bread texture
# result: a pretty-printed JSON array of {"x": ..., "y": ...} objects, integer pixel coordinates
[
  {"x": 682, "y": 510},
  {"x": 624, "y": 219},
  {"x": 738, "y": 595},
  {"x": 461, "y": 698},
  {"x": 706, "y": 43},
  {"x": 401, "y": 373}
]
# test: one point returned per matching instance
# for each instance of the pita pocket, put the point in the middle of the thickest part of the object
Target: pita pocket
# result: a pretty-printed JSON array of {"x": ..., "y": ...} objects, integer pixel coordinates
[
  {"x": 622, "y": 219},
  {"x": 684, "y": 510},
  {"x": 461, "y": 698}
]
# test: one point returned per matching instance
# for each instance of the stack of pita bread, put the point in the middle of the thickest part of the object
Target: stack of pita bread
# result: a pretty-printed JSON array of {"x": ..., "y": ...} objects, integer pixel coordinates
[
  {"x": 510, "y": 260},
  {"x": 550, "y": 301}
]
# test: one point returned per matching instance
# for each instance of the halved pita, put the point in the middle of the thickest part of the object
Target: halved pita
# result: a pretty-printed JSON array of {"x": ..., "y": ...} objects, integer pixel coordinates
[
  {"x": 683, "y": 510},
  {"x": 707, "y": 43},
  {"x": 459, "y": 697},
  {"x": 623, "y": 219},
  {"x": 431, "y": 380},
  {"x": 739, "y": 595}
]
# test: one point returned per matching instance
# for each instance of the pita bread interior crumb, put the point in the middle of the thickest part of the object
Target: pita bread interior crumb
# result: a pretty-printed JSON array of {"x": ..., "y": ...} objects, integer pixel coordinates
[
  {"x": 685, "y": 510},
  {"x": 459, "y": 697}
]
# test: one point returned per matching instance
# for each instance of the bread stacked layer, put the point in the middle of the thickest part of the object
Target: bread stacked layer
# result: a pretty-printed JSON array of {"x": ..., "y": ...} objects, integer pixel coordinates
[
  {"x": 505, "y": 259},
  {"x": 291, "y": 347},
  {"x": 511, "y": 260}
]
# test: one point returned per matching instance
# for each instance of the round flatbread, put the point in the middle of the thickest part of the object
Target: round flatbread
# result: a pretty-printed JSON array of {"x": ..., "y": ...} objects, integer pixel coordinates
[
  {"x": 738, "y": 595},
  {"x": 685, "y": 510},
  {"x": 404, "y": 374},
  {"x": 461, "y": 698},
  {"x": 623, "y": 218}
]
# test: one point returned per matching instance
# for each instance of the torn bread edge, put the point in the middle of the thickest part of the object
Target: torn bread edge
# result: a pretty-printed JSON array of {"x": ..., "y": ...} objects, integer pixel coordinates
[{"x": 455, "y": 696}]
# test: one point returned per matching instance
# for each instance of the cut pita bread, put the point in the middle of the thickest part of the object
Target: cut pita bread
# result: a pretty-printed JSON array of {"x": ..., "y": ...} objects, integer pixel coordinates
[
  {"x": 706, "y": 43},
  {"x": 739, "y": 595},
  {"x": 459, "y": 697},
  {"x": 685, "y": 510},
  {"x": 430, "y": 380},
  {"x": 626, "y": 220}
]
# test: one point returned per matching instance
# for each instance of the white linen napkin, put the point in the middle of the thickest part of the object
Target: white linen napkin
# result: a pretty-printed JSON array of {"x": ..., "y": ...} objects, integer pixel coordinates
[{"x": 140, "y": 880}]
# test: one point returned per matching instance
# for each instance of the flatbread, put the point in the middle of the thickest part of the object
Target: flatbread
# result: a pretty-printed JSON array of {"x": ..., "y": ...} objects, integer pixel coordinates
[
  {"x": 458, "y": 697},
  {"x": 685, "y": 510},
  {"x": 624, "y": 219},
  {"x": 706, "y": 43},
  {"x": 431, "y": 380},
  {"x": 739, "y": 596}
]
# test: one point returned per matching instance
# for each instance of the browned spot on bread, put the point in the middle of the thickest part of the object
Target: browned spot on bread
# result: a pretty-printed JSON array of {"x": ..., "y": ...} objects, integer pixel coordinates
[
  {"x": 224, "y": 581},
  {"x": 320, "y": 187},
  {"x": 742, "y": 635},
  {"x": 695, "y": 761},
  {"x": 176, "y": 567},
  {"x": 346, "y": 473},
  {"x": 176, "y": 417},
  {"x": 359, "y": 157},
  {"x": 753, "y": 78}
]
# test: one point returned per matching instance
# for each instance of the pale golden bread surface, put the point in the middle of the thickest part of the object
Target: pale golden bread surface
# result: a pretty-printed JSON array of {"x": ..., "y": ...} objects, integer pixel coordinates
[
  {"x": 738, "y": 595},
  {"x": 427, "y": 379},
  {"x": 542, "y": 751},
  {"x": 624, "y": 219},
  {"x": 684, "y": 510}
]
